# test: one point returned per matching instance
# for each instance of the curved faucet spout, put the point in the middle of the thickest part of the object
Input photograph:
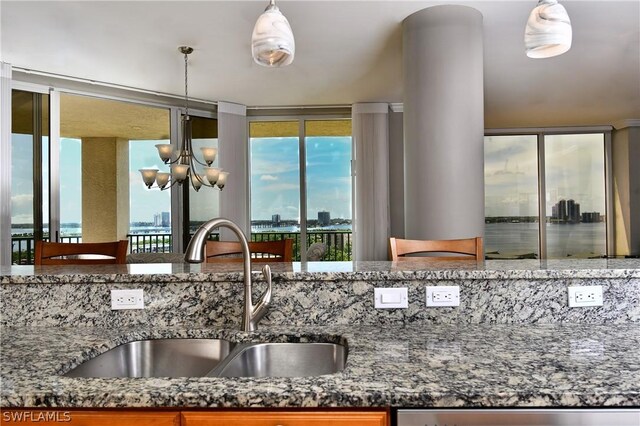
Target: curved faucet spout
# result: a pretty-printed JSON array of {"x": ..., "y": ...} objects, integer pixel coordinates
[{"x": 195, "y": 254}]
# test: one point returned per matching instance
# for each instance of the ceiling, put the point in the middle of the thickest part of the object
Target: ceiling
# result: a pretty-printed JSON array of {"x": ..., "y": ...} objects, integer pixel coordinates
[{"x": 346, "y": 52}]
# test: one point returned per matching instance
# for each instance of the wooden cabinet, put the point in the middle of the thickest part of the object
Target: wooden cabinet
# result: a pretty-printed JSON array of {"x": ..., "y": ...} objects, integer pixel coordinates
[
  {"x": 285, "y": 418},
  {"x": 79, "y": 417},
  {"x": 58, "y": 417}
]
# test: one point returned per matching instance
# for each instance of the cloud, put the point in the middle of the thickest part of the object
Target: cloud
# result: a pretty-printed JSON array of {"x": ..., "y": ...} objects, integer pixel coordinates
[
  {"x": 281, "y": 187},
  {"x": 268, "y": 177}
]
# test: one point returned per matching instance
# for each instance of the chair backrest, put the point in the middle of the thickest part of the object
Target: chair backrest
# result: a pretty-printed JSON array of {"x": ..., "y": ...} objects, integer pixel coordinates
[
  {"x": 261, "y": 251},
  {"x": 48, "y": 253},
  {"x": 471, "y": 247}
]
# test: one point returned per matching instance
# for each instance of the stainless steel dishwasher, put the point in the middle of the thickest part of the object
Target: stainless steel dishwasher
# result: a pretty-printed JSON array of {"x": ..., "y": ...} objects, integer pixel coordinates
[{"x": 519, "y": 417}]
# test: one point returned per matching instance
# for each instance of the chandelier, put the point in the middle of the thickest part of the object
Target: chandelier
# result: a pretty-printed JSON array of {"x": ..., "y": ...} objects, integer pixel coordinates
[{"x": 184, "y": 164}]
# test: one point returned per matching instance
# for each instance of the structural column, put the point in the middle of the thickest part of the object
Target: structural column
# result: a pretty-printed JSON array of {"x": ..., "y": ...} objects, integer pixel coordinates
[
  {"x": 105, "y": 189},
  {"x": 443, "y": 123},
  {"x": 370, "y": 122}
]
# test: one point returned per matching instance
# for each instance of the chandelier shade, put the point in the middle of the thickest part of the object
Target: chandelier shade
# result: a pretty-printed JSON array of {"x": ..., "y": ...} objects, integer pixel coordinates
[
  {"x": 272, "y": 42},
  {"x": 184, "y": 163},
  {"x": 548, "y": 32}
]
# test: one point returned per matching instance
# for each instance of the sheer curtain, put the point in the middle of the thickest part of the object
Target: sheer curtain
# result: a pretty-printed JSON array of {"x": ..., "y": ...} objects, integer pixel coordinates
[
  {"x": 370, "y": 123},
  {"x": 232, "y": 149}
]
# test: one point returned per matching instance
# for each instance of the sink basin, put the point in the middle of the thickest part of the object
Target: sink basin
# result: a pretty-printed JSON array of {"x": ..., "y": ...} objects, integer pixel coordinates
[
  {"x": 283, "y": 360},
  {"x": 156, "y": 358},
  {"x": 214, "y": 358}
]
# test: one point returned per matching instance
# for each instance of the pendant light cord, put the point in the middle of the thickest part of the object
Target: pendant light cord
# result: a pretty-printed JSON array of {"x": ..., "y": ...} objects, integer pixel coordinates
[{"x": 186, "y": 87}]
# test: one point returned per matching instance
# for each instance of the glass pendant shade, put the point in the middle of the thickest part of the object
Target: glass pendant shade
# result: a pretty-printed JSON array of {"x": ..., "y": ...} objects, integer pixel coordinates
[
  {"x": 148, "y": 176},
  {"x": 162, "y": 179},
  {"x": 195, "y": 182},
  {"x": 548, "y": 32},
  {"x": 222, "y": 179},
  {"x": 179, "y": 171},
  {"x": 272, "y": 43},
  {"x": 209, "y": 154},
  {"x": 212, "y": 174},
  {"x": 164, "y": 151}
]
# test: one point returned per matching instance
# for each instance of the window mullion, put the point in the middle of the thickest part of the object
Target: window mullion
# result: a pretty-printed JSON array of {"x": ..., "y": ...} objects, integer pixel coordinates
[
  {"x": 303, "y": 190},
  {"x": 542, "y": 200}
]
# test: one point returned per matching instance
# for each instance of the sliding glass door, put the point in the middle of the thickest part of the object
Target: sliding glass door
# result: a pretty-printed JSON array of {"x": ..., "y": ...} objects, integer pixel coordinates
[{"x": 29, "y": 173}]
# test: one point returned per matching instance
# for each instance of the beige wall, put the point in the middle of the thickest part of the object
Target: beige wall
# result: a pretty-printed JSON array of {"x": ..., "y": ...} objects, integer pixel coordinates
[
  {"x": 626, "y": 190},
  {"x": 105, "y": 189}
]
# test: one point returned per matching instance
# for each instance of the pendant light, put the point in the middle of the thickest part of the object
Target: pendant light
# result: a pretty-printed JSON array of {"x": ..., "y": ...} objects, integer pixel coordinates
[
  {"x": 548, "y": 31},
  {"x": 272, "y": 43}
]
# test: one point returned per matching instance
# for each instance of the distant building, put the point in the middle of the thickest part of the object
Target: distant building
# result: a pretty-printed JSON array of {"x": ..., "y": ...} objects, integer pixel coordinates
[
  {"x": 162, "y": 220},
  {"x": 566, "y": 211},
  {"x": 591, "y": 217},
  {"x": 275, "y": 220},
  {"x": 324, "y": 218}
]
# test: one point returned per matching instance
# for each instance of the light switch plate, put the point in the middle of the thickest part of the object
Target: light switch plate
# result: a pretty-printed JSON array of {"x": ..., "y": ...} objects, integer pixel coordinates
[{"x": 391, "y": 298}]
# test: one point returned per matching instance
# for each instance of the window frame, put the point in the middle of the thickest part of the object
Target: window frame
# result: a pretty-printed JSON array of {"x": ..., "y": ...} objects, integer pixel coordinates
[
  {"x": 178, "y": 204},
  {"x": 302, "y": 158},
  {"x": 540, "y": 133}
]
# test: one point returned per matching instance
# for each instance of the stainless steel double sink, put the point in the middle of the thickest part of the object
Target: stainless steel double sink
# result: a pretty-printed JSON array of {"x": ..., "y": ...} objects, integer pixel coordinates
[{"x": 214, "y": 358}]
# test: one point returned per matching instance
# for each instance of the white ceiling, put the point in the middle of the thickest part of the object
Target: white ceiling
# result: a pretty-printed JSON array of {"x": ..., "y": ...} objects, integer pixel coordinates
[{"x": 346, "y": 52}]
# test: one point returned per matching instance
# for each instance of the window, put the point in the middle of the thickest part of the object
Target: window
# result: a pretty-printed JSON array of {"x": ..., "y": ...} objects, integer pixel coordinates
[
  {"x": 301, "y": 185},
  {"x": 511, "y": 197},
  {"x": 29, "y": 172},
  {"x": 571, "y": 168}
]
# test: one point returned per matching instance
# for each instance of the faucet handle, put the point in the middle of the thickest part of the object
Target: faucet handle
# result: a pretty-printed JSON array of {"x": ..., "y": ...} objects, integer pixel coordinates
[
  {"x": 261, "y": 307},
  {"x": 266, "y": 273}
]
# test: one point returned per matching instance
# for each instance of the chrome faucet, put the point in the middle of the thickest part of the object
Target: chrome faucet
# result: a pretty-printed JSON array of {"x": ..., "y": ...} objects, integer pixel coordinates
[{"x": 195, "y": 254}]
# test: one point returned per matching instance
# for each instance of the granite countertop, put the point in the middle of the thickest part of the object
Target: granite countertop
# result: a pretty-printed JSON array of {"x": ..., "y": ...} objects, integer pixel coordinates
[
  {"x": 327, "y": 271},
  {"x": 470, "y": 365}
]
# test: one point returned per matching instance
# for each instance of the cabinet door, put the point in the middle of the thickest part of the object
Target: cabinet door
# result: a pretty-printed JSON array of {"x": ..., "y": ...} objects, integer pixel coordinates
[
  {"x": 41, "y": 417},
  {"x": 285, "y": 418}
]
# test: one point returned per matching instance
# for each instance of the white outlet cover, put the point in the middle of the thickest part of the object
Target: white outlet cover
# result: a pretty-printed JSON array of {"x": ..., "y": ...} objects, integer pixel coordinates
[
  {"x": 442, "y": 296},
  {"x": 585, "y": 296},
  {"x": 391, "y": 298},
  {"x": 127, "y": 299}
]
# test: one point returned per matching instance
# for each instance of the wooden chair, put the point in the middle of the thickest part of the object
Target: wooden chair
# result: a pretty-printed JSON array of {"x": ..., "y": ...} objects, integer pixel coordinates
[
  {"x": 261, "y": 251},
  {"x": 471, "y": 247},
  {"x": 48, "y": 253}
]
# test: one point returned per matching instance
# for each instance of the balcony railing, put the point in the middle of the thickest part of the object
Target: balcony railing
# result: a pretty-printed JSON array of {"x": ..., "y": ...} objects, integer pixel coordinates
[
  {"x": 23, "y": 248},
  {"x": 338, "y": 244}
]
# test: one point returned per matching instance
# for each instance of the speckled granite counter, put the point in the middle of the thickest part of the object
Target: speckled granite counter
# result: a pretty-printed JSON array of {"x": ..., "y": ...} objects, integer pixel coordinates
[
  {"x": 512, "y": 342},
  {"x": 437, "y": 366}
]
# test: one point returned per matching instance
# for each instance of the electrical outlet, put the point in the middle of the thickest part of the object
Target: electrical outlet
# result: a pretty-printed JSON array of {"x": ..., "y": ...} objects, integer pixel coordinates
[
  {"x": 580, "y": 296},
  {"x": 443, "y": 296},
  {"x": 127, "y": 299}
]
